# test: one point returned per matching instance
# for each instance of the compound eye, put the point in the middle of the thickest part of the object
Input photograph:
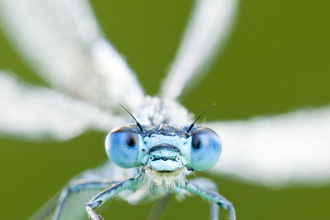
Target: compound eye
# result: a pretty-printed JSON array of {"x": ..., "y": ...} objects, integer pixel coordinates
[
  {"x": 205, "y": 149},
  {"x": 122, "y": 147}
]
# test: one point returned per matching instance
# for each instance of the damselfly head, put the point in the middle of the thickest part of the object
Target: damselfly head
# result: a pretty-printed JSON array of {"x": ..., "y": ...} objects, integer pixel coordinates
[{"x": 166, "y": 152}]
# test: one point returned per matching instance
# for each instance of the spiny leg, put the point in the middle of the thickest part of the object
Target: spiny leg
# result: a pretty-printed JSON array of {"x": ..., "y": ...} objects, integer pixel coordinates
[
  {"x": 159, "y": 207},
  {"x": 50, "y": 207},
  {"x": 214, "y": 211},
  {"x": 211, "y": 186},
  {"x": 107, "y": 194},
  {"x": 211, "y": 196},
  {"x": 76, "y": 186}
]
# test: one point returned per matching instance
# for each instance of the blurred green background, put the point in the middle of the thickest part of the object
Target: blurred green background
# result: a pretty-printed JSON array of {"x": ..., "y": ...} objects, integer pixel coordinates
[{"x": 277, "y": 60}]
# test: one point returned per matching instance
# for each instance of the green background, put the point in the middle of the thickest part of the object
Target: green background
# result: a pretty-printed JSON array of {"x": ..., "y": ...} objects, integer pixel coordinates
[{"x": 277, "y": 60}]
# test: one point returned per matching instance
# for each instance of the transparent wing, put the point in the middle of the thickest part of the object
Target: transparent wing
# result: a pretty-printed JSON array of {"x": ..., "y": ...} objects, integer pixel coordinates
[
  {"x": 75, "y": 207},
  {"x": 209, "y": 26},
  {"x": 62, "y": 42},
  {"x": 40, "y": 113},
  {"x": 293, "y": 148}
]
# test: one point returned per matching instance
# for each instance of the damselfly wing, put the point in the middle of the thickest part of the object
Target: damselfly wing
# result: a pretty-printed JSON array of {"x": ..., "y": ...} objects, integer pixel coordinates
[{"x": 235, "y": 141}]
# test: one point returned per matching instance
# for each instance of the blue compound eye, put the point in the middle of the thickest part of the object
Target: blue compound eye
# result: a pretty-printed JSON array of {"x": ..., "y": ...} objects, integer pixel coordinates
[
  {"x": 122, "y": 147},
  {"x": 205, "y": 149}
]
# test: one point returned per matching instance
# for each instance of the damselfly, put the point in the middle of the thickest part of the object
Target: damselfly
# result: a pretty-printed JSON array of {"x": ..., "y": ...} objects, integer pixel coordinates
[{"x": 230, "y": 164}]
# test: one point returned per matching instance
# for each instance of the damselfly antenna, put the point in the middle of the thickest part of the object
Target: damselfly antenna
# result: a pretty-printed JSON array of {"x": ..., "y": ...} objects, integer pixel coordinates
[
  {"x": 192, "y": 125},
  {"x": 136, "y": 121}
]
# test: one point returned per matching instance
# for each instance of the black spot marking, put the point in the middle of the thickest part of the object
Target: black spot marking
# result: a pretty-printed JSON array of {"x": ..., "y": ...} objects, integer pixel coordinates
[{"x": 131, "y": 140}]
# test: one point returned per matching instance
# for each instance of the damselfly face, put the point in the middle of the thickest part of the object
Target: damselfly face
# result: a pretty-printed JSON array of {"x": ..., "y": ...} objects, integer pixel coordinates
[
  {"x": 166, "y": 153},
  {"x": 275, "y": 62}
]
